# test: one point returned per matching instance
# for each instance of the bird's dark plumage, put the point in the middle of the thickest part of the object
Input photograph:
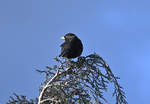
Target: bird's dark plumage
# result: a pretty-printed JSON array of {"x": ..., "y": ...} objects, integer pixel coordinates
[{"x": 72, "y": 47}]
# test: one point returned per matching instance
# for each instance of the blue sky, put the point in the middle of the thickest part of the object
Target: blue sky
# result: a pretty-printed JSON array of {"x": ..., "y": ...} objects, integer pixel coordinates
[{"x": 30, "y": 32}]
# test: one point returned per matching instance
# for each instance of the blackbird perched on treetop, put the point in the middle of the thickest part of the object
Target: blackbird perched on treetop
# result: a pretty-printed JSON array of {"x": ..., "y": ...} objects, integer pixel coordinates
[{"x": 72, "y": 47}]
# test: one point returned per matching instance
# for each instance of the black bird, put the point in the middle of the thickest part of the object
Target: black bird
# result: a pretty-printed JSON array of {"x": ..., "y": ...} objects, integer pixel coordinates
[{"x": 72, "y": 47}]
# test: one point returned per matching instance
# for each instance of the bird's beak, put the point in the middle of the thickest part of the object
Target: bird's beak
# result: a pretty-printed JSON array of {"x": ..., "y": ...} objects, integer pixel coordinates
[{"x": 62, "y": 37}]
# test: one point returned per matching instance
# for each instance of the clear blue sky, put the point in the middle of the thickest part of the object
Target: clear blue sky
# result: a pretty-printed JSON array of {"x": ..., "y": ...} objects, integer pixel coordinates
[{"x": 30, "y": 31}]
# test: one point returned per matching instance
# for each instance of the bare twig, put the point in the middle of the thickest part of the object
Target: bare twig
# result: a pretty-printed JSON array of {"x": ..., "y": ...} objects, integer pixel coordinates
[
  {"x": 49, "y": 84},
  {"x": 51, "y": 81}
]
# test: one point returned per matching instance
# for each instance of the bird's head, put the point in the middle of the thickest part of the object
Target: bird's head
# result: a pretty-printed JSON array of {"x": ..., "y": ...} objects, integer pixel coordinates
[{"x": 69, "y": 37}]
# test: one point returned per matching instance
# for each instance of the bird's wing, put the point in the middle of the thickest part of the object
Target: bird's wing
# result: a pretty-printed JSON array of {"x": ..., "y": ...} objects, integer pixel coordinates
[{"x": 65, "y": 49}]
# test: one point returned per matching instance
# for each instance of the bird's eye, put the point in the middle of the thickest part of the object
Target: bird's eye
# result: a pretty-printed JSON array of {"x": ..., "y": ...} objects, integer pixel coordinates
[{"x": 67, "y": 37}]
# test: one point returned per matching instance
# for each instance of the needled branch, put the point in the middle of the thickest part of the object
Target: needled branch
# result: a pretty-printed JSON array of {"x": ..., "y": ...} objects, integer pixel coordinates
[
  {"x": 80, "y": 82},
  {"x": 84, "y": 81}
]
